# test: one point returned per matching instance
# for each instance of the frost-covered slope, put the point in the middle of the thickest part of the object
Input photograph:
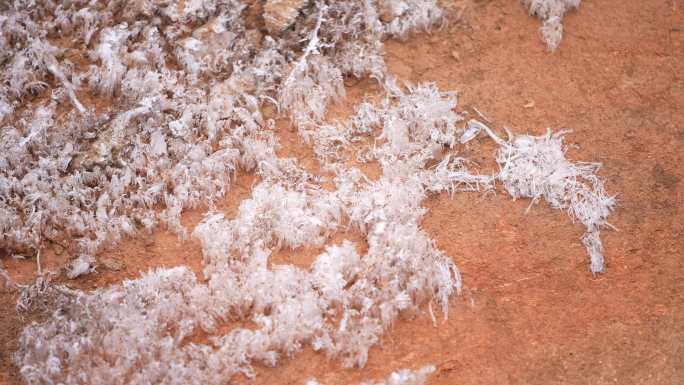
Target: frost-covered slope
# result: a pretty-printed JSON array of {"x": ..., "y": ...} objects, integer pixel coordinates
[{"x": 171, "y": 100}]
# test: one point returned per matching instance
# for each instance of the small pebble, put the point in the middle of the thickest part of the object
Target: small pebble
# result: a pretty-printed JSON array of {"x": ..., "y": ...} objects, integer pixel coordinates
[
  {"x": 112, "y": 264},
  {"x": 148, "y": 241}
]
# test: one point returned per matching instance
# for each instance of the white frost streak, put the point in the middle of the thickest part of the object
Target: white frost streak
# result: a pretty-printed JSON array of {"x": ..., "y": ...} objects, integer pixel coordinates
[{"x": 399, "y": 377}]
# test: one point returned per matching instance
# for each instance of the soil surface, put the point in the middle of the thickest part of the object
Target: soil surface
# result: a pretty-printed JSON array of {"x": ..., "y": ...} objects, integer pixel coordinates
[{"x": 531, "y": 312}]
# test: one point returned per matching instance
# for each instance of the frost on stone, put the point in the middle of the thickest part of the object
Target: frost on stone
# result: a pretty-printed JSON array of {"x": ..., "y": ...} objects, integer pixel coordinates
[
  {"x": 473, "y": 129},
  {"x": 46, "y": 54},
  {"x": 42, "y": 296},
  {"x": 79, "y": 266},
  {"x": 125, "y": 325},
  {"x": 276, "y": 216},
  {"x": 551, "y": 13},
  {"x": 281, "y": 14},
  {"x": 310, "y": 88},
  {"x": 404, "y": 16},
  {"x": 215, "y": 46}
]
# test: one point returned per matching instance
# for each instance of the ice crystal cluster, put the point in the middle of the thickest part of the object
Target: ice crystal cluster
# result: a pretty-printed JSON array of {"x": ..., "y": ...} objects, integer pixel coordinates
[
  {"x": 536, "y": 167},
  {"x": 341, "y": 305},
  {"x": 406, "y": 377},
  {"x": 170, "y": 101},
  {"x": 551, "y": 13},
  {"x": 181, "y": 87}
]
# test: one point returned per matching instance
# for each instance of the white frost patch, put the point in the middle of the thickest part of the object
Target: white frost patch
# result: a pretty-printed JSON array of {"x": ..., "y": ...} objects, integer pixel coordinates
[
  {"x": 406, "y": 377},
  {"x": 535, "y": 167},
  {"x": 399, "y": 377},
  {"x": 551, "y": 13}
]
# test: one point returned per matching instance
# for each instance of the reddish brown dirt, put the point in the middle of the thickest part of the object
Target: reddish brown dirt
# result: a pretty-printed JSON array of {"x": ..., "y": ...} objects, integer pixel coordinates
[{"x": 531, "y": 312}]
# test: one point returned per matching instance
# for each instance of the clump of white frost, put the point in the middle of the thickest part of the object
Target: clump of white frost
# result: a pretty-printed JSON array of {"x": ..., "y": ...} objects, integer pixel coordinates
[
  {"x": 406, "y": 377},
  {"x": 405, "y": 16},
  {"x": 276, "y": 217},
  {"x": 419, "y": 120},
  {"x": 399, "y": 377},
  {"x": 551, "y": 13},
  {"x": 345, "y": 38},
  {"x": 109, "y": 52},
  {"x": 138, "y": 329},
  {"x": 536, "y": 167},
  {"x": 215, "y": 46}
]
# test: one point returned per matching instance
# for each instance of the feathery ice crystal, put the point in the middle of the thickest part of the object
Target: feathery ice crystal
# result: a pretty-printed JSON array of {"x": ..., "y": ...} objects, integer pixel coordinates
[{"x": 551, "y": 13}]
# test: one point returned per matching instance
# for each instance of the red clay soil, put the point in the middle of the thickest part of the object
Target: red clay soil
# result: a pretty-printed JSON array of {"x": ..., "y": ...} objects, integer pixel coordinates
[{"x": 531, "y": 312}]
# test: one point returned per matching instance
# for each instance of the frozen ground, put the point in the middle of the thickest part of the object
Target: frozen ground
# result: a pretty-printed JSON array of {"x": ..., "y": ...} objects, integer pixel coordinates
[{"x": 530, "y": 311}]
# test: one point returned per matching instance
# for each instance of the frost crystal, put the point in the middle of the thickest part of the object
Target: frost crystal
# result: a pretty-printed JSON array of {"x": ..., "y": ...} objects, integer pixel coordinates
[
  {"x": 407, "y": 377},
  {"x": 536, "y": 167},
  {"x": 551, "y": 13}
]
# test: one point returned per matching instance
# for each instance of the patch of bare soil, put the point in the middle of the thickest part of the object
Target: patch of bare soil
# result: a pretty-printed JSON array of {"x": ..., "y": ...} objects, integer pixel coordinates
[{"x": 531, "y": 312}]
